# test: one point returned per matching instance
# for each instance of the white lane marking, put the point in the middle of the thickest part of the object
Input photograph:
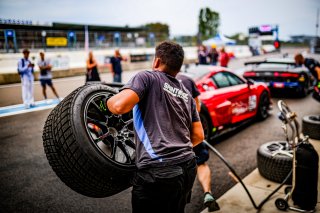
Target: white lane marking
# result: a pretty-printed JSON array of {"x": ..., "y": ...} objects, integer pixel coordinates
[
  {"x": 19, "y": 108},
  {"x": 27, "y": 110}
]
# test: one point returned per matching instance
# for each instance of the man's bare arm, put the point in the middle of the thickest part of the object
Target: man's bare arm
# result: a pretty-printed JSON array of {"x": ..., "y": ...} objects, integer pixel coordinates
[
  {"x": 123, "y": 102},
  {"x": 197, "y": 135},
  {"x": 318, "y": 71},
  {"x": 198, "y": 103}
]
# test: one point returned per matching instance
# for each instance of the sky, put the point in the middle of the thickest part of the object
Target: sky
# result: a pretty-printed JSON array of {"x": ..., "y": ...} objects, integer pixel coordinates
[{"x": 294, "y": 17}]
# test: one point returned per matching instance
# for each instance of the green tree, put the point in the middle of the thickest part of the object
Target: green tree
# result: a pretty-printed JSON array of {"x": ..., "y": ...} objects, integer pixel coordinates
[
  {"x": 161, "y": 31},
  {"x": 209, "y": 22}
]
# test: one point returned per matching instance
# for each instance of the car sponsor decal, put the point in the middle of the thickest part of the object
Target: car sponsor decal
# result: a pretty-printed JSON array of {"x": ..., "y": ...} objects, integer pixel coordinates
[
  {"x": 252, "y": 102},
  {"x": 239, "y": 108}
]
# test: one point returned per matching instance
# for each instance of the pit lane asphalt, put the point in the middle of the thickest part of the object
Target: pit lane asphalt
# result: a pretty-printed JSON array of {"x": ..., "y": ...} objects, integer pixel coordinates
[{"x": 28, "y": 184}]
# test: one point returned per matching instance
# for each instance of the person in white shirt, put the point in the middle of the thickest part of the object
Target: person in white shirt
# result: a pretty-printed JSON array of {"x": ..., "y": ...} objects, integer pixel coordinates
[
  {"x": 46, "y": 75},
  {"x": 25, "y": 70}
]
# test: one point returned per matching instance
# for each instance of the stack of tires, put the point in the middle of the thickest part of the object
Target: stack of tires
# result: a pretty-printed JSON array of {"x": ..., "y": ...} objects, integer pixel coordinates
[
  {"x": 274, "y": 167},
  {"x": 77, "y": 136},
  {"x": 311, "y": 126},
  {"x": 277, "y": 167}
]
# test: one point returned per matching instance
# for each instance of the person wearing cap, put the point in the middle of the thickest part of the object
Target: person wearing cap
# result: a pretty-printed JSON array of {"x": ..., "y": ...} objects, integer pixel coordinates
[
  {"x": 45, "y": 76},
  {"x": 25, "y": 70},
  {"x": 167, "y": 126}
]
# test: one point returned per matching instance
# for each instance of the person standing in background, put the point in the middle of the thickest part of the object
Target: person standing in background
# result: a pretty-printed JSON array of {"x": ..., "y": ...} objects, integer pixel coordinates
[
  {"x": 115, "y": 66},
  {"x": 25, "y": 70},
  {"x": 46, "y": 76},
  {"x": 224, "y": 58},
  {"x": 92, "y": 69},
  {"x": 213, "y": 55},
  {"x": 202, "y": 55}
]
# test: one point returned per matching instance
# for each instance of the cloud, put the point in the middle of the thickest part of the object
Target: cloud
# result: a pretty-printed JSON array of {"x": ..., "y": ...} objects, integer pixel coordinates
[{"x": 292, "y": 16}]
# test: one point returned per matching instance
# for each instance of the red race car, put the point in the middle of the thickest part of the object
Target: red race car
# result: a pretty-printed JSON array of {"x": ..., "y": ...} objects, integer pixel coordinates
[{"x": 227, "y": 99}]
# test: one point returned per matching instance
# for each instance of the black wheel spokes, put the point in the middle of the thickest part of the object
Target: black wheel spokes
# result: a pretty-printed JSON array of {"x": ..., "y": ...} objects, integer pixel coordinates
[
  {"x": 112, "y": 134},
  {"x": 102, "y": 137},
  {"x": 125, "y": 152},
  {"x": 96, "y": 122},
  {"x": 114, "y": 150}
]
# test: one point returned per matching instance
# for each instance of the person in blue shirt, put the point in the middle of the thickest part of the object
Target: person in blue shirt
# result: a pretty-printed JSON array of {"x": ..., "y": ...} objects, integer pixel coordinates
[
  {"x": 115, "y": 66},
  {"x": 25, "y": 70}
]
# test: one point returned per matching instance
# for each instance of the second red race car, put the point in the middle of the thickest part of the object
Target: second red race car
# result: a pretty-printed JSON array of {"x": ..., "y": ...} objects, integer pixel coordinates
[{"x": 227, "y": 99}]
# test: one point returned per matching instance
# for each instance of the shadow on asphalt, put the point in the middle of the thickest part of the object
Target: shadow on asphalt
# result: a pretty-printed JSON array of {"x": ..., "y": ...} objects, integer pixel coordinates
[{"x": 287, "y": 95}]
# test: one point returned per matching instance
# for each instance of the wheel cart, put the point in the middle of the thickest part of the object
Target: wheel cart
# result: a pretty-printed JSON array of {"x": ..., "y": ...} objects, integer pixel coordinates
[{"x": 303, "y": 191}]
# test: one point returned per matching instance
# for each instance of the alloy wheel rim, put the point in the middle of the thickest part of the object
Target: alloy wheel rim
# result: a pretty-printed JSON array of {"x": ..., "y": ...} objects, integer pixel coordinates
[{"x": 111, "y": 134}]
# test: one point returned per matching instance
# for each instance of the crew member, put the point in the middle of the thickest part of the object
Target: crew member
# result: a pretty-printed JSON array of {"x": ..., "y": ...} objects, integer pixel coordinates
[
  {"x": 167, "y": 126},
  {"x": 25, "y": 70},
  {"x": 310, "y": 63},
  {"x": 201, "y": 151}
]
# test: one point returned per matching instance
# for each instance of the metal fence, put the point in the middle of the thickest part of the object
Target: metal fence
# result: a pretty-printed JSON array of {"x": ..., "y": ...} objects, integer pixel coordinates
[{"x": 35, "y": 39}]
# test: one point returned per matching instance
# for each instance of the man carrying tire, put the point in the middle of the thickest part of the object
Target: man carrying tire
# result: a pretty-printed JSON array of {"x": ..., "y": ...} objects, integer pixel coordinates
[
  {"x": 167, "y": 125},
  {"x": 201, "y": 151}
]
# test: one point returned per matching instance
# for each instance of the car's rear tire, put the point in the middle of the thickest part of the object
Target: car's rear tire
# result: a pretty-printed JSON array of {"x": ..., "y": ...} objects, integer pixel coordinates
[
  {"x": 263, "y": 107},
  {"x": 275, "y": 168},
  {"x": 79, "y": 159},
  {"x": 311, "y": 126}
]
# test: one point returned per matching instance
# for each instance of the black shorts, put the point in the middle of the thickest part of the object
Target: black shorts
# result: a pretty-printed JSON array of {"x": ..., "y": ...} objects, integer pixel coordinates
[
  {"x": 202, "y": 153},
  {"x": 166, "y": 189},
  {"x": 46, "y": 81}
]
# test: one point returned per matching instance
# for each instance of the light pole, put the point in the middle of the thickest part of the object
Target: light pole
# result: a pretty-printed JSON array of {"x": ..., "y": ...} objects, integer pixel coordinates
[{"x": 43, "y": 34}]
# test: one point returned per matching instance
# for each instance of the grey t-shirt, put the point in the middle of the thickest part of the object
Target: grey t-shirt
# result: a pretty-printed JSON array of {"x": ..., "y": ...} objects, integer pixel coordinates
[
  {"x": 162, "y": 119},
  {"x": 189, "y": 84},
  {"x": 48, "y": 75}
]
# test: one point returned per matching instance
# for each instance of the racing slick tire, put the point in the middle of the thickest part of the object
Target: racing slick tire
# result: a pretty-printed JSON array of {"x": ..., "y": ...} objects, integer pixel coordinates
[
  {"x": 263, "y": 107},
  {"x": 275, "y": 168},
  {"x": 90, "y": 149},
  {"x": 311, "y": 126}
]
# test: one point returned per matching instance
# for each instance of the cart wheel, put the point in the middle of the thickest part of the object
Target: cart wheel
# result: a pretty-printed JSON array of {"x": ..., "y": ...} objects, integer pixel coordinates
[{"x": 281, "y": 204}]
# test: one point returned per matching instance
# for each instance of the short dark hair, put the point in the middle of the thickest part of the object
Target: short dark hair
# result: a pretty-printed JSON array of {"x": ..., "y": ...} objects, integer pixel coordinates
[
  {"x": 25, "y": 51},
  {"x": 299, "y": 59},
  {"x": 171, "y": 55}
]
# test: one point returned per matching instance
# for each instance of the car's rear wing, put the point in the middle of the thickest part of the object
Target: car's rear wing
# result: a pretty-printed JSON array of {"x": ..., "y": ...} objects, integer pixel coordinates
[{"x": 269, "y": 62}]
